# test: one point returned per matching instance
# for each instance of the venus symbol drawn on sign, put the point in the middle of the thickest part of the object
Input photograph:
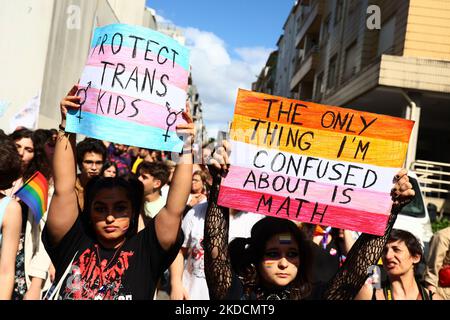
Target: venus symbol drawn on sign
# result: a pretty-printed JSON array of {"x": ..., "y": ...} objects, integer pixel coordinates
[
  {"x": 170, "y": 120},
  {"x": 83, "y": 100}
]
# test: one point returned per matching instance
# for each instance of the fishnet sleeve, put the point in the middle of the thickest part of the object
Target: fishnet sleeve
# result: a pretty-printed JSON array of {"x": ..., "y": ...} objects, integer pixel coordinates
[
  {"x": 215, "y": 243},
  {"x": 365, "y": 252}
]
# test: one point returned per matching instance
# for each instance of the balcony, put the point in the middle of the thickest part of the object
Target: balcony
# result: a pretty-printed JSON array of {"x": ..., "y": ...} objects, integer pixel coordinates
[
  {"x": 312, "y": 21},
  {"x": 305, "y": 66}
]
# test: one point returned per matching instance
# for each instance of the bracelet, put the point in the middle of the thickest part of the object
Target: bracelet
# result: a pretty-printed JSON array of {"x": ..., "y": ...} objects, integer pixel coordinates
[
  {"x": 61, "y": 128},
  {"x": 185, "y": 151}
]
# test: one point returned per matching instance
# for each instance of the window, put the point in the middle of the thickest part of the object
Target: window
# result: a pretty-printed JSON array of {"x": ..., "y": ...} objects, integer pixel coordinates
[
  {"x": 338, "y": 11},
  {"x": 416, "y": 207},
  {"x": 298, "y": 24},
  {"x": 352, "y": 6},
  {"x": 319, "y": 87},
  {"x": 386, "y": 40},
  {"x": 332, "y": 68},
  {"x": 326, "y": 29},
  {"x": 350, "y": 60}
]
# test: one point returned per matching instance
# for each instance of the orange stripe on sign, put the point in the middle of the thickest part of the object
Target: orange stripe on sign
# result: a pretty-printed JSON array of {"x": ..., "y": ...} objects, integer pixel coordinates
[
  {"x": 320, "y": 143},
  {"x": 317, "y": 116}
]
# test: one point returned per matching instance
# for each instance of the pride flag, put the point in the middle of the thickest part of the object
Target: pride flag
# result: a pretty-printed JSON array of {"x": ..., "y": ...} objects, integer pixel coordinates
[{"x": 35, "y": 194}]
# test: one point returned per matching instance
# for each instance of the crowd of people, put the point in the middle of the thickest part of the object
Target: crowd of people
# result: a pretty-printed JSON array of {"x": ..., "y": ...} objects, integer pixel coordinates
[{"x": 131, "y": 223}]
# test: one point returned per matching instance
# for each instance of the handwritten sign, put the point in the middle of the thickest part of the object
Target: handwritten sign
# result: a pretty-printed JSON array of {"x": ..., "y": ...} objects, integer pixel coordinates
[
  {"x": 133, "y": 88},
  {"x": 313, "y": 163}
]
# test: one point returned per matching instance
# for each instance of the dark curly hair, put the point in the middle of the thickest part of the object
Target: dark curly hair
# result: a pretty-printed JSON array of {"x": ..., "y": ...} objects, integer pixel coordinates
[
  {"x": 133, "y": 188},
  {"x": 250, "y": 252},
  {"x": 40, "y": 161},
  {"x": 10, "y": 164},
  {"x": 90, "y": 145}
]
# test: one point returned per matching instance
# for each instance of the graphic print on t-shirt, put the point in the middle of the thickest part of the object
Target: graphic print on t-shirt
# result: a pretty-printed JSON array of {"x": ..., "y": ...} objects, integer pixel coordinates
[
  {"x": 91, "y": 280},
  {"x": 196, "y": 261}
]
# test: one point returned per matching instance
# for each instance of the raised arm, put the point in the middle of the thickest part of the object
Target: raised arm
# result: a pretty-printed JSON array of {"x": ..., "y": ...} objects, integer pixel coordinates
[
  {"x": 63, "y": 210},
  {"x": 368, "y": 248},
  {"x": 168, "y": 220},
  {"x": 215, "y": 239}
]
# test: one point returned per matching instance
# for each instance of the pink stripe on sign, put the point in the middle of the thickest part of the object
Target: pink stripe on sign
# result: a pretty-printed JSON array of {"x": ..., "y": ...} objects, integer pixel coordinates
[
  {"x": 312, "y": 212},
  {"x": 288, "y": 186},
  {"x": 143, "y": 112},
  {"x": 177, "y": 76}
]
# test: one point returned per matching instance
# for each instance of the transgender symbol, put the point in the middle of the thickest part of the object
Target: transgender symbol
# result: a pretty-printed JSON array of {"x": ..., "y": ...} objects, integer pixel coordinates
[
  {"x": 170, "y": 120},
  {"x": 83, "y": 100}
]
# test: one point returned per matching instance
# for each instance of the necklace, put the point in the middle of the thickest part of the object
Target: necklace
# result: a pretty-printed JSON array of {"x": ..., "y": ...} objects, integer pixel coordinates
[
  {"x": 104, "y": 264},
  {"x": 280, "y": 294}
]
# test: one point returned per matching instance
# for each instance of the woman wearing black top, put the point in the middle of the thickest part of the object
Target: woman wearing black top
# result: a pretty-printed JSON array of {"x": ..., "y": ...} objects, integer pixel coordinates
[
  {"x": 275, "y": 261},
  {"x": 98, "y": 253}
]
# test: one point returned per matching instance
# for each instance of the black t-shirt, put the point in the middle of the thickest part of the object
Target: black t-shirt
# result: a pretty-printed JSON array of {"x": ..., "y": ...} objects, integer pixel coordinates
[{"x": 129, "y": 273}]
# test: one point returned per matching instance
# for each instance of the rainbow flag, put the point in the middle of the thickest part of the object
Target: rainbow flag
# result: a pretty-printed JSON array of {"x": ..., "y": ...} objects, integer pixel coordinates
[{"x": 35, "y": 194}]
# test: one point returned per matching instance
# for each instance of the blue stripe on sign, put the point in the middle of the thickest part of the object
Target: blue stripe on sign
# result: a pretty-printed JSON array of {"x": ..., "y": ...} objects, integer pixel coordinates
[
  {"x": 181, "y": 59},
  {"x": 124, "y": 132}
]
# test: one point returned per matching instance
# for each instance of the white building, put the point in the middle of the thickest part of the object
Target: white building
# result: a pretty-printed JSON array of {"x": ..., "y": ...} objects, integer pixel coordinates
[{"x": 44, "y": 48}]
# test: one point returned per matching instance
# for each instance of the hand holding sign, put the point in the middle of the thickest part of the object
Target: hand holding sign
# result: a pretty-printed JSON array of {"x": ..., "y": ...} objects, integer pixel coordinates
[
  {"x": 219, "y": 162},
  {"x": 402, "y": 192},
  {"x": 186, "y": 131},
  {"x": 71, "y": 101}
]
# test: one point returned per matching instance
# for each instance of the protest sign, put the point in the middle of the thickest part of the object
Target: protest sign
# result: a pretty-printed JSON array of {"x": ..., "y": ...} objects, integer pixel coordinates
[
  {"x": 313, "y": 163},
  {"x": 133, "y": 88}
]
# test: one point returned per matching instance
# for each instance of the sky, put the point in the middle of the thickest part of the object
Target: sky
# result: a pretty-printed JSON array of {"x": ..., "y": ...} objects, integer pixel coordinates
[{"x": 230, "y": 42}]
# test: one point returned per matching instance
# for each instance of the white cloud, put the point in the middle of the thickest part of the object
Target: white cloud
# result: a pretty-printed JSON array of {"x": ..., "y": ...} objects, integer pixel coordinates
[
  {"x": 161, "y": 19},
  {"x": 218, "y": 76}
]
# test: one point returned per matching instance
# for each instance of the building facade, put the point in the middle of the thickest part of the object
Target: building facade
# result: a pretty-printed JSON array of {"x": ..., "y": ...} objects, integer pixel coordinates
[
  {"x": 45, "y": 45},
  {"x": 46, "y": 52},
  {"x": 387, "y": 57}
]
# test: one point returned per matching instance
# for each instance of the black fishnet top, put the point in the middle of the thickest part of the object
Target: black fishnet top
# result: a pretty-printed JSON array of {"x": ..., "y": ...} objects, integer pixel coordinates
[{"x": 345, "y": 284}]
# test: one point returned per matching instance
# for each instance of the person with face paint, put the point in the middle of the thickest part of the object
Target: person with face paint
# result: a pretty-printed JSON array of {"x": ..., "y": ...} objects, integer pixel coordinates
[
  {"x": 401, "y": 254},
  {"x": 275, "y": 262},
  {"x": 98, "y": 253}
]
